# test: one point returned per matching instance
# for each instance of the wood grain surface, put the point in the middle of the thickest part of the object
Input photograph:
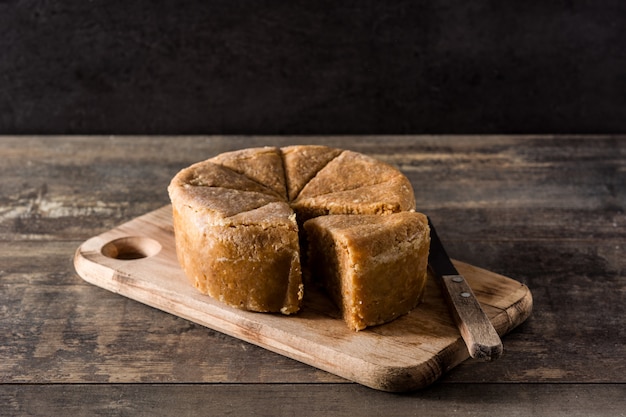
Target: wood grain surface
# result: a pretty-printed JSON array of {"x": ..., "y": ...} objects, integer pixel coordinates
[{"x": 546, "y": 211}]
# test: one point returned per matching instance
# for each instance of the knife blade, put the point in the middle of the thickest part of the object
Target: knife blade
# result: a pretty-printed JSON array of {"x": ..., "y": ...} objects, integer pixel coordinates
[{"x": 481, "y": 338}]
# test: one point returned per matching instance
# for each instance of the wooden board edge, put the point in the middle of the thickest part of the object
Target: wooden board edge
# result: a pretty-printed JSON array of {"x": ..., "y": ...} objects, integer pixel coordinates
[{"x": 384, "y": 378}]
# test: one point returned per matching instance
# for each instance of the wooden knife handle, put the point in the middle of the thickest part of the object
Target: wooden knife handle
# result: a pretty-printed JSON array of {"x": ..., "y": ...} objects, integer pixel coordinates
[{"x": 481, "y": 338}]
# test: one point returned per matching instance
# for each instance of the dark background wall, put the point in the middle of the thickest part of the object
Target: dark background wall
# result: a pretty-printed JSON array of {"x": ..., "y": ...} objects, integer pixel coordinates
[{"x": 312, "y": 67}]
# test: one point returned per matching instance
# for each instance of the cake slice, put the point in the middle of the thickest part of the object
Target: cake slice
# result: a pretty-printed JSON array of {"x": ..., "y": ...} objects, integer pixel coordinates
[
  {"x": 263, "y": 165},
  {"x": 302, "y": 162},
  {"x": 373, "y": 267},
  {"x": 391, "y": 196},
  {"x": 217, "y": 202},
  {"x": 349, "y": 171},
  {"x": 208, "y": 174}
]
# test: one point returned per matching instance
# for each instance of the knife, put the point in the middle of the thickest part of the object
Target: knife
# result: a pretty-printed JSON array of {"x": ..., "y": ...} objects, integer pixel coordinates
[{"x": 479, "y": 335}]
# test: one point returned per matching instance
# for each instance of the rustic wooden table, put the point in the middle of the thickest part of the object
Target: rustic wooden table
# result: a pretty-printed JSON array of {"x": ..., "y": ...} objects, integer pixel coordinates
[{"x": 546, "y": 211}]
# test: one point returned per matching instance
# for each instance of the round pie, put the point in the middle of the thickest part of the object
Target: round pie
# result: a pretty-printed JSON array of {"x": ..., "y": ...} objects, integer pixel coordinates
[{"x": 243, "y": 221}]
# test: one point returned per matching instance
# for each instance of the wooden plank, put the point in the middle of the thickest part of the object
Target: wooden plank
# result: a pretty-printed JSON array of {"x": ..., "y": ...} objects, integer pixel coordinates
[{"x": 276, "y": 400}]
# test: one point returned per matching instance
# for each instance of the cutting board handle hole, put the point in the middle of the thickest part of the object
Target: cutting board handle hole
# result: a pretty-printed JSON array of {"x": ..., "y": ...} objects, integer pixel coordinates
[{"x": 131, "y": 248}]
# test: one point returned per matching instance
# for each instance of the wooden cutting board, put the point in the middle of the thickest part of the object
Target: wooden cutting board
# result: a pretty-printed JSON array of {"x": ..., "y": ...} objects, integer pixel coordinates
[{"x": 138, "y": 260}]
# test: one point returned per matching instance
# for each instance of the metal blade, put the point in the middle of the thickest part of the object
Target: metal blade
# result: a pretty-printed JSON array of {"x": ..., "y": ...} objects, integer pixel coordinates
[
  {"x": 438, "y": 258},
  {"x": 481, "y": 338}
]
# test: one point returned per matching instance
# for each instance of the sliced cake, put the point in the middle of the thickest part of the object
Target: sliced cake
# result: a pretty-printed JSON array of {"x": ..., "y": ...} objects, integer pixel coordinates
[{"x": 239, "y": 237}]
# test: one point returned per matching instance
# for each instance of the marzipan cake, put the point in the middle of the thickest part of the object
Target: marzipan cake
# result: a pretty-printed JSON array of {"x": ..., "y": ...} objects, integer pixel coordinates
[{"x": 238, "y": 222}]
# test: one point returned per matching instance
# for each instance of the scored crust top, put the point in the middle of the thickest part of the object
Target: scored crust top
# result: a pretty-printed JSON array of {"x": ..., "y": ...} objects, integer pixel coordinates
[{"x": 314, "y": 180}]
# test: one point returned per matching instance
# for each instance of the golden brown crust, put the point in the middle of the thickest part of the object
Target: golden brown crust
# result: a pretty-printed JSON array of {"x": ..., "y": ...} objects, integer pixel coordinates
[
  {"x": 236, "y": 238},
  {"x": 245, "y": 263},
  {"x": 302, "y": 163},
  {"x": 209, "y": 174},
  {"x": 392, "y": 196},
  {"x": 263, "y": 165},
  {"x": 349, "y": 171},
  {"x": 220, "y": 202}
]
